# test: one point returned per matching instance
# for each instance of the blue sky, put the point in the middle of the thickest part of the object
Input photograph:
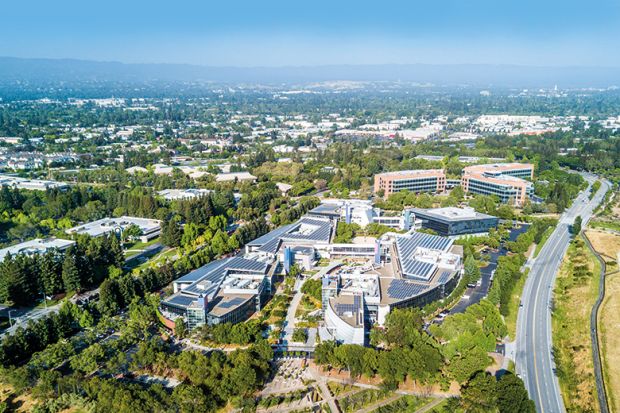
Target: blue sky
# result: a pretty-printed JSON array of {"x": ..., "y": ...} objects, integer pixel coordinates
[{"x": 317, "y": 32}]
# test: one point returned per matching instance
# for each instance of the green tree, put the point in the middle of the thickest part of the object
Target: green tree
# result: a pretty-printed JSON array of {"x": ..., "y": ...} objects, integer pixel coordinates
[
  {"x": 70, "y": 272},
  {"x": 512, "y": 396},
  {"x": 576, "y": 227},
  {"x": 480, "y": 393}
]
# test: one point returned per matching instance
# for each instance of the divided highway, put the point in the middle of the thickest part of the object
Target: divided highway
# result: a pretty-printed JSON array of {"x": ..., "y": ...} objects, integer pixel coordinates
[{"x": 534, "y": 348}]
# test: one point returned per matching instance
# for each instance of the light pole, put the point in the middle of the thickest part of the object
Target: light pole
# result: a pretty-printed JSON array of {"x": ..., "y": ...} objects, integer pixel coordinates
[{"x": 11, "y": 319}]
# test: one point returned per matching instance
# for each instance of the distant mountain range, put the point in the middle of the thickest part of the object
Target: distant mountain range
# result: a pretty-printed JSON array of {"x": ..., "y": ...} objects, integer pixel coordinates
[{"x": 68, "y": 70}]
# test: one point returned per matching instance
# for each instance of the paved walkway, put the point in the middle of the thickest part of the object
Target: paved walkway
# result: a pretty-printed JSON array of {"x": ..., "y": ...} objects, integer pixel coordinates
[
  {"x": 429, "y": 406},
  {"x": 380, "y": 403},
  {"x": 327, "y": 395}
]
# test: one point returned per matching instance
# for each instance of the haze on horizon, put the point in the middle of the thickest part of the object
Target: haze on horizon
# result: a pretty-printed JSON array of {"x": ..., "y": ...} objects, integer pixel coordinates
[{"x": 281, "y": 33}]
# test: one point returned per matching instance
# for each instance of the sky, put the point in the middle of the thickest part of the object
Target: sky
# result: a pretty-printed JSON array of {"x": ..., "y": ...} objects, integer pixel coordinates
[{"x": 316, "y": 32}]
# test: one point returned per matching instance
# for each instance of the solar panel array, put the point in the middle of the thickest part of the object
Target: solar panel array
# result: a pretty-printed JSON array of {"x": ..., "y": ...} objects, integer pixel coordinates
[
  {"x": 271, "y": 246},
  {"x": 232, "y": 303},
  {"x": 180, "y": 300},
  {"x": 322, "y": 232},
  {"x": 244, "y": 264},
  {"x": 349, "y": 308},
  {"x": 419, "y": 269},
  {"x": 401, "y": 289},
  {"x": 406, "y": 245},
  {"x": 444, "y": 277}
]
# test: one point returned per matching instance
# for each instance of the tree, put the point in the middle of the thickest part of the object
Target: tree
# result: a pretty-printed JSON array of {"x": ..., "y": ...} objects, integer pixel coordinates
[
  {"x": 51, "y": 273},
  {"x": 180, "y": 329},
  {"x": 512, "y": 396},
  {"x": 480, "y": 393},
  {"x": 109, "y": 297},
  {"x": 70, "y": 272},
  {"x": 171, "y": 233},
  {"x": 300, "y": 335},
  {"x": 472, "y": 271},
  {"x": 576, "y": 227}
]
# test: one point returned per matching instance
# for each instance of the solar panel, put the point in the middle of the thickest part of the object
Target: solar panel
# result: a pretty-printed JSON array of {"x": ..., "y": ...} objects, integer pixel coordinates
[
  {"x": 401, "y": 289},
  {"x": 232, "y": 303},
  {"x": 444, "y": 277},
  {"x": 349, "y": 308}
]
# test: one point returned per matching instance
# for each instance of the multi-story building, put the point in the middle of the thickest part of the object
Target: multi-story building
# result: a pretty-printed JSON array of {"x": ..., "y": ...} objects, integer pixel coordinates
[
  {"x": 518, "y": 170},
  {"x": 229, "y": 290},
  {"x": 421, "y": 180},
  {"x": 506, "y": 181},
  {"x": 410, "y": 270}
]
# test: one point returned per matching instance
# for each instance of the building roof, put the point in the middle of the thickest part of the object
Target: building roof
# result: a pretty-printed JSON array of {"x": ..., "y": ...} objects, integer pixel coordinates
[
  {"x": 306, "y": 230},
  {"x": 230, "y": 302},
  {"x": 105, "y": 225},
  {"x": 451, "y": 214},
  {"x": 411, "y": 247},
  {"x": 231, "y": 176},
  {"x": 414, "y": 173},
  {"x": 349, "y": 308},
  {"x": 176, "y": 194},
  {"x": 497, "y": 167},
  {"x": 36, "y": 246}
]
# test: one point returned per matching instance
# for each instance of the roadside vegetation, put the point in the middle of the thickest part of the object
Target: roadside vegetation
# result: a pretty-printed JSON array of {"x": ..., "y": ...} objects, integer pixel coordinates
[{"x": 575, "y": 292}]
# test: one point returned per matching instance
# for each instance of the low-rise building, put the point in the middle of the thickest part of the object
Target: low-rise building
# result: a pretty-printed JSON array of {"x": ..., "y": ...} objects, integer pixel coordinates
[
  {"x": 151, "y": 228},
  {"x": 453, "y": 221},
  {"x": 235, "y": 176},
  {"x": 182, "y": 194},
  {"x": 36, "y": 246},
  {"x": 31, "y": 184}
]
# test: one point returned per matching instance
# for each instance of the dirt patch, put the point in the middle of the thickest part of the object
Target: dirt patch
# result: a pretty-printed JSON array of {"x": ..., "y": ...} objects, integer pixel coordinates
[
  {"x": 609, "y": 336},
  {"x": 605, "y": 243}
]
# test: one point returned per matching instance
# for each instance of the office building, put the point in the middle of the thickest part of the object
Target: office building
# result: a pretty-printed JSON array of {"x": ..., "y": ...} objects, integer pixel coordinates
[
  {"x": 506, "y": 181},
  {"x": 422, "y": 180},
  {"x": 452, "y": 221},
  {"x": 36, "y": 246},
  {"x": 408, "y": 271},
  {"x": 150, "y": 228},
  {"x": 229, "y": 290}
]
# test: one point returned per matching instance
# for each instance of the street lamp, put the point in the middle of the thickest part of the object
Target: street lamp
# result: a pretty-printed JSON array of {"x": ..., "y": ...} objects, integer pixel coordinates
[{"x": 10, "y": 319}]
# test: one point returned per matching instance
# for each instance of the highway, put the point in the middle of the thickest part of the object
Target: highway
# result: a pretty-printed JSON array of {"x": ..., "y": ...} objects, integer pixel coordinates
[{"x": 534, "y": 355}]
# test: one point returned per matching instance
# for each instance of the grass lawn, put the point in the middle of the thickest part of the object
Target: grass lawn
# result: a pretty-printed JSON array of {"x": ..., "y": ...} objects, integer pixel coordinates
[
  {"x": 575, "y": 292},
  {"x": 609, "y": 317},
  {"x": 597, "y": 223},
  {"x": 135, "y": 248},
  {"x": 513, "y": 306}
]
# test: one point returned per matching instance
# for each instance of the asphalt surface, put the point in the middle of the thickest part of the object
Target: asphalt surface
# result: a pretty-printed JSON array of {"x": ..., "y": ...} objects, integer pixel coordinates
[
  {"x": 534, "y": 348},
  {"x": 476, "y": 294}
]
